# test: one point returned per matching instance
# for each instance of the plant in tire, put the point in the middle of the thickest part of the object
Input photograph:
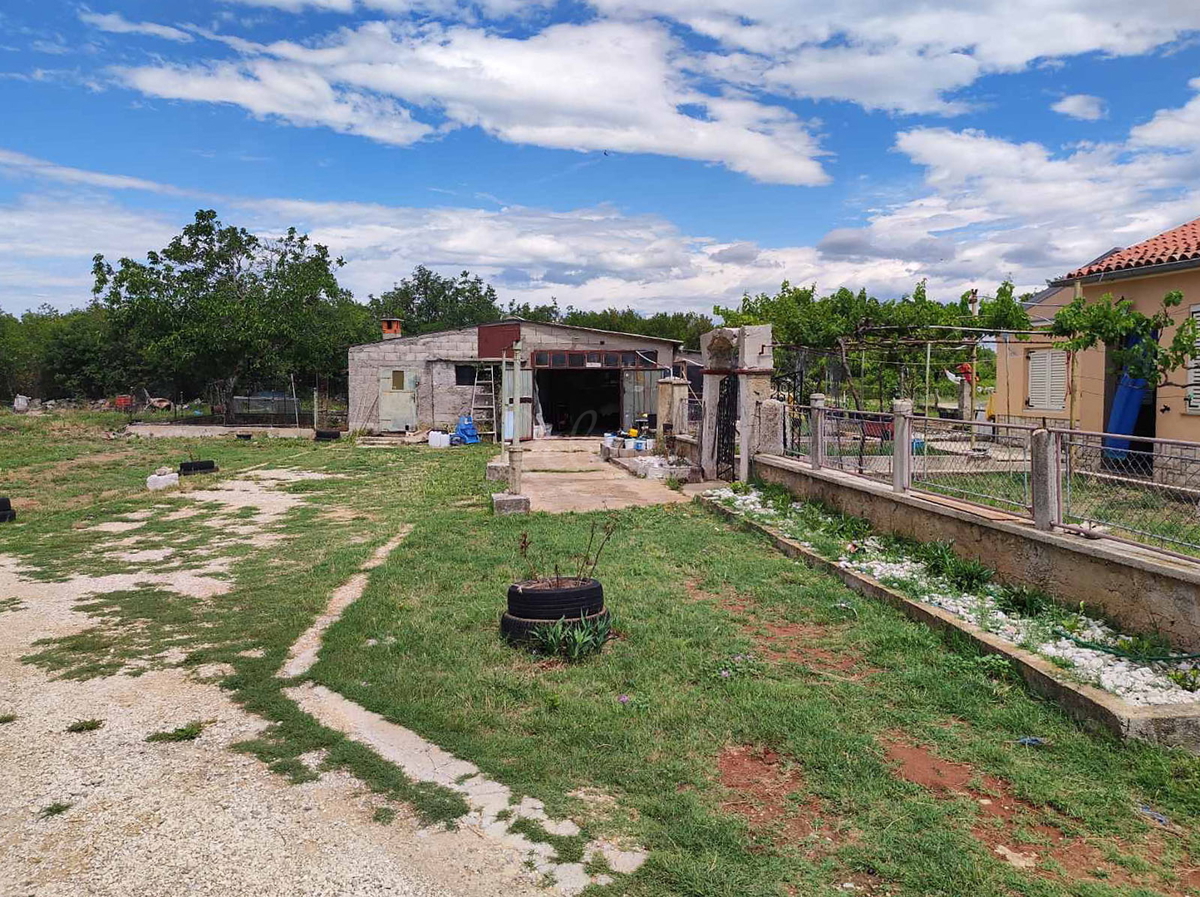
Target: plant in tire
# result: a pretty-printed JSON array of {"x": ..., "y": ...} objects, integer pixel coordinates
[{"x": 561, "y": 615}]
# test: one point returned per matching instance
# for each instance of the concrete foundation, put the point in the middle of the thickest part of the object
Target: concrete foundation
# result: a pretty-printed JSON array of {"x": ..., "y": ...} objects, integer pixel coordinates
[
  {"x": 1140, "y": 589},
  {"x": 508, "y": 503}
]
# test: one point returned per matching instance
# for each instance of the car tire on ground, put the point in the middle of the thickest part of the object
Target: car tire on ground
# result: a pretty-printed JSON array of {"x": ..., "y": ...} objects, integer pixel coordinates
[
  {"x": 554, "y": 603},
  {"x": 518, "y": 629}
]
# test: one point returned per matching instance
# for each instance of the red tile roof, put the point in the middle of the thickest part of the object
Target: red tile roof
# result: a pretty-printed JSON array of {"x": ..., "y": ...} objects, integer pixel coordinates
[{"x": 1178, "y": 245}]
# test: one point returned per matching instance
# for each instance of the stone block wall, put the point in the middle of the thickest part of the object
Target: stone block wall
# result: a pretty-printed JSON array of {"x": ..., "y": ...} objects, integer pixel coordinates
[{"x": 428, "y": 358}]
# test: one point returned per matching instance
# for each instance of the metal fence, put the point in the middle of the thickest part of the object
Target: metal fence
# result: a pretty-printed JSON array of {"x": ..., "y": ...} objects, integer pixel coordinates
[
  {"x": 1144, "y": 490},
  {"x": 691, "y": 414},
  {"x": 860, "y": 442},
  {"x": 797, "y": 431},
  {"x": 987, "y": 464},
  {"x": 1140, "y": 490}
]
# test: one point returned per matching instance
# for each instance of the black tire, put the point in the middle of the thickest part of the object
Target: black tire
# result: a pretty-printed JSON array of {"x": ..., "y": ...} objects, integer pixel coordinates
[
  {"x": 244, "y": 436},
  {"x": 327, "y": 435},
  {"x": 5, "y": 503},
  {"x": 554, "y": 604},
  {"x": 187, "y": 468},
  {"x": 517, "y": 629},
  {"x": 8, "y": 516}
]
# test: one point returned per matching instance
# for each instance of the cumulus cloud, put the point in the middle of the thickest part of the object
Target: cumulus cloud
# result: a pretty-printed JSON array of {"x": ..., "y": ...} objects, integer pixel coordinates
[
  {"x": 597, "y": 86},
  {"x": 1081, "y": 106},
  {"x": 115, "y": 23}
]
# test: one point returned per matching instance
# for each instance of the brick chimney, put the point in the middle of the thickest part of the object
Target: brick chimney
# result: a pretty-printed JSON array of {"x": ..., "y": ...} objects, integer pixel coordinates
[{"x": 391, "y": 328}]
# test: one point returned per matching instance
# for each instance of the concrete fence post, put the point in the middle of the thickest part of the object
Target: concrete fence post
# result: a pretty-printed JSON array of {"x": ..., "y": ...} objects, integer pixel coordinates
[
  {"x": 514, "y": 468},
  {"x": 1045, "y": 476},
  {"x": 901, "y": 445},
  {"x": 817, "y": 455}
]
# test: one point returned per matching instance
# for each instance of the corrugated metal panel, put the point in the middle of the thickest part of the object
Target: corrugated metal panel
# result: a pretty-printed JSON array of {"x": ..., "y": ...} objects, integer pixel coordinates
[{"x": 495, "y": 340}]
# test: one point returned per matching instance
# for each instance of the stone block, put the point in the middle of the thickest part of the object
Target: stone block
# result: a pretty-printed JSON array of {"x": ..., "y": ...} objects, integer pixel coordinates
[
  {"x": 496, "y": 471},
  {"x": 507, "y": 503}
]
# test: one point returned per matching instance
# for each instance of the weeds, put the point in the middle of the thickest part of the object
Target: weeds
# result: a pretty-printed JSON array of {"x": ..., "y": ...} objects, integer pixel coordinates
[
  {"x": 85, "y": 725},
  {"x": 7, "y": 718},
  {"x": 55, "y": 809},
  {"x": 190, "y": 732}
]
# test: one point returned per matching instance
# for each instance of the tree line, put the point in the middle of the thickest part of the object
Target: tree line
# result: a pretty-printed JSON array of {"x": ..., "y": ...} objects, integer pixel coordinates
[{"x": 220, "y": 311}]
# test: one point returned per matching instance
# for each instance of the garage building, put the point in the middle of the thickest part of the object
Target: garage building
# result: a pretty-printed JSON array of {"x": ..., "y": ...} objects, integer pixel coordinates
[{"x": 573, "y": 380}]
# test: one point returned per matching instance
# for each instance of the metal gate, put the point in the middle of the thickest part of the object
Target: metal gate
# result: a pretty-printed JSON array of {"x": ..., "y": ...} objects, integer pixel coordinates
[{"x": 727, "y": 402}]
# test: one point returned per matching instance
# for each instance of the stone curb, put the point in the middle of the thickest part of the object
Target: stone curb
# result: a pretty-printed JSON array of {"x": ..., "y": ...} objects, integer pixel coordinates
[{"x": 1172, "y": 725}]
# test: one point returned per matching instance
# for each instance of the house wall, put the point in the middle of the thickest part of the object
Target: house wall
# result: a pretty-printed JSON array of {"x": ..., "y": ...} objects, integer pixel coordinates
[
  {"x": 1090, "y": 368},
  {"x": 430, "y": 358}
]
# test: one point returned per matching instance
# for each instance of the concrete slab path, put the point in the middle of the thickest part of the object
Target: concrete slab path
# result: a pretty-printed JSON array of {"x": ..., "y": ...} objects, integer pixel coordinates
[{"x": 566, "y": 474}]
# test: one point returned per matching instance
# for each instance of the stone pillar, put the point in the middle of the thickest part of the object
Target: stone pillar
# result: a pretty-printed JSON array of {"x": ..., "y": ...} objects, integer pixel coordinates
[
  {"x": 672, "y": 394},
  {"x": 754, "y": 388},
  {"x": 1045, "y": 479},
  {"x": 768, "y": 427},
  {"x": 901, "y": 445},
  {"x": 817, "y": 454}
]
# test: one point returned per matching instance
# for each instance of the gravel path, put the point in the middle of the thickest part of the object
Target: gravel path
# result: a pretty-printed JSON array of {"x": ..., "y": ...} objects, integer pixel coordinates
[{"x": 192, "y": 817}]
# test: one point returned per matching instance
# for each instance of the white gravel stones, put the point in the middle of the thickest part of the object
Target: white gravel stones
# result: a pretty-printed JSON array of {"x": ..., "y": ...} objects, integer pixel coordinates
[{"x": 1138, "y": 683}]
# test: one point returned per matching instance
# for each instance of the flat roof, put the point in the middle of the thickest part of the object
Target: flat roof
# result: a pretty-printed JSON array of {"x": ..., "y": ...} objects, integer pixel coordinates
[{"x": 516, "y": 320}]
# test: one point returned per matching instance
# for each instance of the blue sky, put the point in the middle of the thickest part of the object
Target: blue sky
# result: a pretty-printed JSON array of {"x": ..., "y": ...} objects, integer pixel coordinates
[{"x": 664, "y": 154}]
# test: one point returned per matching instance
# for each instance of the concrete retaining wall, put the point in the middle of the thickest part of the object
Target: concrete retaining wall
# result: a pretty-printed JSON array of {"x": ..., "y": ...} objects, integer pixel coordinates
[
  {"x": 1141, "y": 590},
  {"x": 1174, "y": 725},
  {"x": 688, "y": 447}
]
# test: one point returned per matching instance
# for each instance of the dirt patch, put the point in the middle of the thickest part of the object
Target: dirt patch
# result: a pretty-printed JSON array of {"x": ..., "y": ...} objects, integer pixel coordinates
[
  {"x": 1014, "y": 830},
  {"x": 761, "y": 789}
]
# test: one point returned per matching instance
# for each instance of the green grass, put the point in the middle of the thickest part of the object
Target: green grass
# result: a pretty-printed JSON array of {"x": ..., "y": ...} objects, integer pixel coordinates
[
  {"x": 691, "y": 593},
  {"x": 7, "y": 718},
  {"x": 85, "y": 725},
  {"x": 189, "y": 732},
  {"x": 55, "y": 809}
]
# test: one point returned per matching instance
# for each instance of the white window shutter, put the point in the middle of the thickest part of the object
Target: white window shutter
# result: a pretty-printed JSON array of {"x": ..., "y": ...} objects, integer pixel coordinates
[{"x": 1047, "y": 386}]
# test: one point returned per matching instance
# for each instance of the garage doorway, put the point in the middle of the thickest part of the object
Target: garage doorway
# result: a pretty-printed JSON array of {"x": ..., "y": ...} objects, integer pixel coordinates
[{"x": 580, "y": 402}]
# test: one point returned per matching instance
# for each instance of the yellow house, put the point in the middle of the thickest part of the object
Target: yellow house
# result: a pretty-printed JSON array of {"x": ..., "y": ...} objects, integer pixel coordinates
[{"x": 1036, "y": 380}]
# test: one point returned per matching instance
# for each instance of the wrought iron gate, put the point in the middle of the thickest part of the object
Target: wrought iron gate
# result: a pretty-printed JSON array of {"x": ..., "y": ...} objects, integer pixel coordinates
[{"x": 727, "y": 402}]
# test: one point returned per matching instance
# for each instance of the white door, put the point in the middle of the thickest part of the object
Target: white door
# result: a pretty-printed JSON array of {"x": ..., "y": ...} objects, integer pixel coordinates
[
  {"x": 524, "y": 412},
  {"x": 397, "y": 401}
]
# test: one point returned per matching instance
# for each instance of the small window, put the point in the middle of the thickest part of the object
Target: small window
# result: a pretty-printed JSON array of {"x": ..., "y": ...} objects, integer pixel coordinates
[
  {"x": 464, "y": 375},
  {"x": 541, "y": 359},
  {"x": 577, "y": 360},
  {"x": 593, "y": 359},
  {"x": 558, "y": 359},
  {"x": 1046, "y": 387},
  {"x": 648, "y": 359},
  {"x": 629, "y": 359},
  {"x": 398, "y": 380},
  {"x": 612, "y": 360}
]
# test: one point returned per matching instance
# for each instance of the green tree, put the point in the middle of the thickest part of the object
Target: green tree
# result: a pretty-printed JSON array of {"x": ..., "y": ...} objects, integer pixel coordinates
[
  {"x": 220, "y": 306},
  {"x": 426, "y": 301},
  {"x": 1133, "y": 339}
]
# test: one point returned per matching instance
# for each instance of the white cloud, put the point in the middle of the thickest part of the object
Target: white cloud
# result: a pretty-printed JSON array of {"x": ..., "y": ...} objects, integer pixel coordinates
[
  {"x": 1081, "y": 106},
  {"x": 293, "y": 93},
  {"x": 115, "y": 23},
  {"x": 19, "y": 164},
  {"x": 598, "y": 86}
]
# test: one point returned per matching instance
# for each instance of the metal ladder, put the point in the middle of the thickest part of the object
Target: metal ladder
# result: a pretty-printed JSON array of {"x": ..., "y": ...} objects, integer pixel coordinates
[{"x": 483, "y": 401}]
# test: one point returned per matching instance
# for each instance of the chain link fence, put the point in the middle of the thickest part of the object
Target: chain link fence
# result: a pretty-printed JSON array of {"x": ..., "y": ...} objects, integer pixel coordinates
[
  {"x": 983, "y": 463},
  {"x": 1145, "y": 490},
  {"x": 860, "y": 442}
]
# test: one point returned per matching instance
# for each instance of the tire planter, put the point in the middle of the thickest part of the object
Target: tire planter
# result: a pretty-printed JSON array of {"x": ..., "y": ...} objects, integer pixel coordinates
[
  {"x": 518, "y": 629},
  {"x": 5, "y": 503},
  {"x": 8, "y": 516},
  {"x": 542, "y": 603},
  {"x": 327, "y": 435}
]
